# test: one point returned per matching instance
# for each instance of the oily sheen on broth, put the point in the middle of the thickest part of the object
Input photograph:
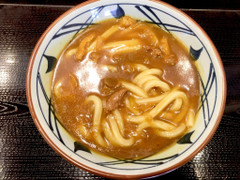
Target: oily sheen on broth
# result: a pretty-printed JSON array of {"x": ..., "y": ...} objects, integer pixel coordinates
[{"x": 125, "y": 88}]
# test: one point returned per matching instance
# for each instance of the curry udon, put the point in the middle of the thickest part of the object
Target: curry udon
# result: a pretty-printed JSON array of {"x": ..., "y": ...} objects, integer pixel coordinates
[{"x": 125, "y": 88}]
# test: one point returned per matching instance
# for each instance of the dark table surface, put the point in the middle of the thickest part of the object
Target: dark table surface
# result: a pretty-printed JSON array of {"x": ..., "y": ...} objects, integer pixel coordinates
[{"x": 23, "y": 152}]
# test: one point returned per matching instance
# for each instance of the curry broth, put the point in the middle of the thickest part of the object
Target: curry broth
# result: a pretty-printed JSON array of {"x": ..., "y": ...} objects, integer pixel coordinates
[{"x": 79, "y": 79}]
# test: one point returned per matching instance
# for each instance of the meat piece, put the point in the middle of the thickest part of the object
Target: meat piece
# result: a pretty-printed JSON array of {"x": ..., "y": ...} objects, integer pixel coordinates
[
  {"x": 94, "y": 56},
  {"x": 115, "y": 99},
  {"x": 108, "y": 86},
  {"x": 111, "y": 82},
  {"x": 156, "y": 52},
  {"x": 81, "y": 51},
  {"x": 170, "y": 59},
  {"x": 165, "y": 46},
  {"x": 127, "y": 21}
]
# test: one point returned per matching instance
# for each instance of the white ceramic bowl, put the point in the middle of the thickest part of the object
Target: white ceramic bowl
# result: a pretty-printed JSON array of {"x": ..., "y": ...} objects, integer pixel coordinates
[{"x": 61, "y": 31}]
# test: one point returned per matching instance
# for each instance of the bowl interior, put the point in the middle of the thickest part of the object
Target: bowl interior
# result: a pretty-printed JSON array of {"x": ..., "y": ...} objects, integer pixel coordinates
[{"x": 61, "y": 32}]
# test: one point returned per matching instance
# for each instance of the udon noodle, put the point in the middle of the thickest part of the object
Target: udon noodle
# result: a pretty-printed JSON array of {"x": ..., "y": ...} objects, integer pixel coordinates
[{"x": 125, "y": 88}]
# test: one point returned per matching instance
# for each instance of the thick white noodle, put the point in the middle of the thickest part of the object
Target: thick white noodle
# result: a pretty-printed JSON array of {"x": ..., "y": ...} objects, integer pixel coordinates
[
  {"x": 120, "y": 44},
  {"x": 96, "y": 118},
  {"x": 121, "y": 141},
  {"x": 163, "y": 125},
  {"x": 83, "y": 131},
  {"x": 131, "y": 107},
  {"x": 177, "y": 104},
  {"x": 190, "y": 118},
  {"x": 108, "y": 134},
  {"x": 126, "y": 49},
  {"x": 150, "y": 100},
  {"x": 119, "y": 120},
  {"x": 138, "y": 119},
  {"x": 156, "y": 83},
  {"x": 172, "y": 133},
  {"x": 167, "y": 115},
  {"x": 134, "y": 89},
  {"x": 114, "y": 136},
  {"x": 104, "y": 36},
  {"x": 152, "y": 71},
  {"x": 144, "y": 79},
  {"x": 147, "y": 80},
  {"x": 156, "y": 124},
  {"x": 110, "y": 31},
  {"x": 167, "y": 100},
  {"x": 97, "y": 109},
  {"x": 110, "y": 68},
  {"x": 140, "y": 67}
]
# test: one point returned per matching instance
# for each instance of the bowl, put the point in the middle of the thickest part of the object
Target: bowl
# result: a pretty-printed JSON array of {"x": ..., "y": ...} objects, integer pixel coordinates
[{"x": 171, "y": 19}]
